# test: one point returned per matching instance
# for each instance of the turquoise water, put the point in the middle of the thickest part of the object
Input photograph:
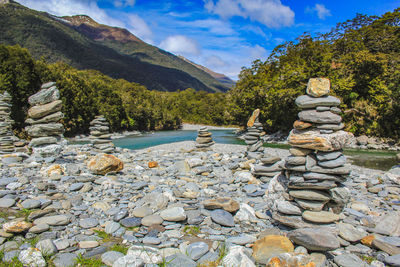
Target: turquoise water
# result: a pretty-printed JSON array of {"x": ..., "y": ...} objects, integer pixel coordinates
[
  {"x": 165, "y": 137},
  {"x": 375, "y": 159}
]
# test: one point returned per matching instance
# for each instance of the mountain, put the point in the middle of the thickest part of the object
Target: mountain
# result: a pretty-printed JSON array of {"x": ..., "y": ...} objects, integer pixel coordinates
[
  {"x": 222, "y": 78},
  {"x": 85, "y": 44}
]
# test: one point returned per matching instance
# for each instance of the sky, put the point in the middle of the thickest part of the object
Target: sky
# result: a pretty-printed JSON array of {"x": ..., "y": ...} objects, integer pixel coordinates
[{"x": 223, "y": 35}]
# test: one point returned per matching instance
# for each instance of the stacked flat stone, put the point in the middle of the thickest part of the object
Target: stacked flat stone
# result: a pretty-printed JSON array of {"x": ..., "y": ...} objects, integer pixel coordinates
[
  {"x": 44, "y": 118},
  {"x": 270, "y": 166},
  {"x": 7, "y": 137},
  {"x": 317, "y": 166},
  {"x": 254, "y": 133},
  {"x": 100, "y": 135},
  {"x": 204, "y": 139}
]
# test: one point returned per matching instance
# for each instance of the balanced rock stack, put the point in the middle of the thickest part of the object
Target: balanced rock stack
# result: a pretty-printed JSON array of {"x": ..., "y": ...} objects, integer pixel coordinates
[
  {"x": 316, "y": 166},
  {"x": 254, "y": 133},
  {"x": 270, "y": 166},
  {"x": 7, "y": 137},
  {"x": 204, "y": 139},
  {"x": 100, "y": 135},
  {"x": 44, "y": 121}
]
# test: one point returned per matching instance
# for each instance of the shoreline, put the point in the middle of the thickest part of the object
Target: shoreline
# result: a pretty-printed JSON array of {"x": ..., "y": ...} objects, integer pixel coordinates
[{"x": 189, "y": 126}]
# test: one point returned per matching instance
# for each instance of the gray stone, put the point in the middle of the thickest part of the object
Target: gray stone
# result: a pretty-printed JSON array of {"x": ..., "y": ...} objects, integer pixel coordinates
[
  {"x": 349, "y": 260},
  {"x": 332, "y": 127},
  {"x": 350, "y": 233},
  {"x": 44, "y": 96},
  {"x": 179, "y": 260},
  {"x": 305, "y": 101},
  {"x": 110, "y": 257},
  {"x": 76, "y": 186},
  {"x": 32, "y": 257},
  {"x": 30, "y": 204},
  {"x": 40, "y": 228},
  {"x": 131, "y": 222},
  {"x": 286, "y": 207},
  {"x": 310, "y": 205},
  {"x": 296, "y": 160},
  {"x": 55, "y": 117},
  {"x": 242, "y": 239},
  {"x": 393, "y": 260},
  {"x": 128, "y": 261},
  {"x": 43, "y": 130},
  {"x": 88, "y": 223},
  {"x": 174, "y": 214},
  {"x": 55, "y": 220},
  {"x": 323, "y": 176},
  {"x": 65, "y": 260},
  {"x": 111, "y": 227},
  {"x": 39, "y": 111},
  {"x": 151, "y": 240},
  {"x": 222, "y": 217},
  {"x": 152, "y": 219},
  {"x": 6, "y": 202},
  {"x": 323, "y": 156},
  {"x": 315, "y": 239},
  {"x": 340, "y": 161},
  {"x": 47, "y": 247},
  {"x": 291, "y": 221},
  {"x": 310, "y": 195},
  {"x": 10, "y": 255},
  {"x": 319, "y": 117},
  {"x": 196, "y": 250}
]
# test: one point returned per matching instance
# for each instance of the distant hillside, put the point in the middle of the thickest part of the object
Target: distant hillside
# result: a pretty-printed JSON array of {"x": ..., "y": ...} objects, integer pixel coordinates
[
  {"x": 220, "y": 77},
  {"x": 85, "y": 44}
]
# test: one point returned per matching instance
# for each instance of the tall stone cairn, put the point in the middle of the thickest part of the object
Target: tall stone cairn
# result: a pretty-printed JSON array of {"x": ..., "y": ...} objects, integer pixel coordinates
[
  {"x": 100, "y": 135},
  {"x": 44, "y": 121},
  {"x": 316, "y": 167},
  {"x": 7, "y": 137},
  {"x": 204, "y": 139},
  {"x": 254, "y": 133}
]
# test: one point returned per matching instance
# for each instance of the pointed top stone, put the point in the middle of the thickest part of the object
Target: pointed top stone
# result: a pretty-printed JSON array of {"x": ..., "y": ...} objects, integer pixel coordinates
[{"x": 318, "y": 87}]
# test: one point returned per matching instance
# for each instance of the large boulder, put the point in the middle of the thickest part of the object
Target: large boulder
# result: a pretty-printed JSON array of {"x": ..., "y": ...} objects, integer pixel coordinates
[
  {"x": 315, "y": 239},
  {"x": 40, "y": 111},
  {"x": 105, "y": 163}
]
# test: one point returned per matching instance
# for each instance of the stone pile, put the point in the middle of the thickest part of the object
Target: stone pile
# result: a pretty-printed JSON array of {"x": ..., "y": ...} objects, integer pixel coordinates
[
  {"x": 204, "y": 139},
  {"x": 254, "y": 133},
  {"x": 316, "y": 167},
  {"x": 100, "y": 135},
  {"x": 44, "y": 118},
  {"x": 270, "y": 166},
  {"x": 7, "y": 137}
]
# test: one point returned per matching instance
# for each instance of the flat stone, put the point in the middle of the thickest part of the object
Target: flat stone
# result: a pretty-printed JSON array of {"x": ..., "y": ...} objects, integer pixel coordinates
[
  {"x": 386, "y": 247},
  {"x": 315, "y": 239},
  {"x": 270, "y": 160},
  {"x": 393, "y": 260},
  {"x": 75, "y": 186},
  {"x": 6, "y": 202},
  {"x": 270, "y": 246},
  {"x": 301, "y": 125},
  {"x": 131, "y": 222},
  {"x": 16, "y": 226},
  {"x": 32, "y": 257},
  {"x": 88, "y": 244},
  {"x": 43, "y": 130},
  {"x": 299, "y": 152},
  {"x": 237, "y": 256},
  {"x": 310, "y": 195},
  {"x": 310, "y": 205},
  {"x": 222, "y": 217},
  {"x": 146, "y": 253},
  {"x": 253, "y": 118},
  {"x": 323, "y": 176},
  {"x": 333, "y": 127},
  {"x": 88, "y": 223},
  {"x": 196, "y": 250},
  {"x": 104, "y": 163},
  {"x": 318, "y": 87},
  {"x": 242, "y": 239},
  {"x": 44, "y": 96},
  {"x": 314, "y": 140},
  {"x": 350, "y": 233},
  {"x": 174, "y": 214},
  {"x": 152, "y": 219},
  {"x": 151, "y": 240},
  {"x": 296, "y": 160},
  {"x": 40, "y": 228},
  {"x": 324, "y": 185},
  {"x": 349, "y": 260},
  {"x": 47, "y": 247},
  {"x": 65, "y": 259},
  {"x": 112, "y": 227},
  {"x": 31, "y": 204},
  {"x": 286, "y": 207},
  {"x": 320, "y": 216},
  {"x": 128, "y": 260},
  {"x": 315, "y": 116},
  {"x": 323, "y": 156},
  {"x": 40, "y": 111},
  {"x": 338, "y": 162},
  {"x": 51, "y": 118},
  {"x": 343, "y": 170},
  {"x": 305, "y": 101},
  {"x": 225, "y": 203},
  {"x": 56, "y": 220},
  {"x": 178, "y": 260},
  {"x": 291, "y": 221},
  {"x": 110, "y": 257}
]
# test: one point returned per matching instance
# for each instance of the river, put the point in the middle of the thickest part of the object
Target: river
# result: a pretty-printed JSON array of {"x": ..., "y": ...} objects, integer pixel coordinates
[{"x": 375, "y": 159}]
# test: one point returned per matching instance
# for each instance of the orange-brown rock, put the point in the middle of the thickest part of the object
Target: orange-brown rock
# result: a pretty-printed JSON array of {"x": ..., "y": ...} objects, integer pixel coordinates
[
  {"x": 318, "y": 87},
  {"x": 291, "y": 260},
  {"x": 253, "y": 118},
  {"x": 270, "y": 246},
  {"x": 314, "y": 140},
  {"x": 105, "y": 163},
  {"x": 16, "y": 226},
  {"x": 301, "y": 125},
  {"x": 55, "y": 169},
  {"x": 225, "y": 203},
  {"x": 368, "y": 240},
  {"x": 153, "y": 164}
]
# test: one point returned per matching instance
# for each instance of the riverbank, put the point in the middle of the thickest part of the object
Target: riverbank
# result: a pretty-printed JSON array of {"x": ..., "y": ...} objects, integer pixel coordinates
[{"x": 188, "y": 126}]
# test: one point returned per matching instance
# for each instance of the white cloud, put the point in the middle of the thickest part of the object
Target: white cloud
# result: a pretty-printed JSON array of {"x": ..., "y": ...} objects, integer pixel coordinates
[
  {"x": 132, "y": 22},
  {"x": 179, "y": 44},
  {"x": 215, "y": 62},
  {"x": 124, "y": 3},
  {"x": 320, "y": 9},
  {"x": 212, "y": 25},
  {"x": 139, "y": 27},
  {"x": 271, "y": 13}
]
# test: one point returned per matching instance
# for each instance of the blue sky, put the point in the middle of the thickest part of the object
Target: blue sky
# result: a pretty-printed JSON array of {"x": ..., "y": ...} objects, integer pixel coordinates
[{"x": 223, "y": 35}]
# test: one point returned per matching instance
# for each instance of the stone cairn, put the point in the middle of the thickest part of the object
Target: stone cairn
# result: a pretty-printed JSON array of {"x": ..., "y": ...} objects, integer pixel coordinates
[
  {"x": 316, "y": 166},
  {"x": 204, "y": 139},
  {"x": 7, "y": 137},
  {"x": 100, "y": 135},
  {"x": 254, "y": 133},
  {"x": 44, "y": 121}
]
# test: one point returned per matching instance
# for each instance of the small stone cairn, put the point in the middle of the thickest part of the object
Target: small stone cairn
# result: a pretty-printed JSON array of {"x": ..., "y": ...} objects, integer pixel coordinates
[
  {"x": 254, "y": 132},
  {"x": 100, "y": 135},
  {"x": 204, "y": 139},
  {"x": 44, "y": 121},
  {"x": 316, "y": 166},
  {"x": 7, "y": 137}
]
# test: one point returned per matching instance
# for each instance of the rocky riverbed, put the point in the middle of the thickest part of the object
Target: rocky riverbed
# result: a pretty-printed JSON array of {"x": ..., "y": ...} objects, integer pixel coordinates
[{"x": 178, "y": 206}]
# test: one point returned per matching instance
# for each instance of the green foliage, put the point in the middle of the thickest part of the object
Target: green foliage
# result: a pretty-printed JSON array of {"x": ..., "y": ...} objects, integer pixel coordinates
[
  {"x": 92, "y": 262},
  {"x": 361, "y": 58},
  {"x": 120, "y": 248}
]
